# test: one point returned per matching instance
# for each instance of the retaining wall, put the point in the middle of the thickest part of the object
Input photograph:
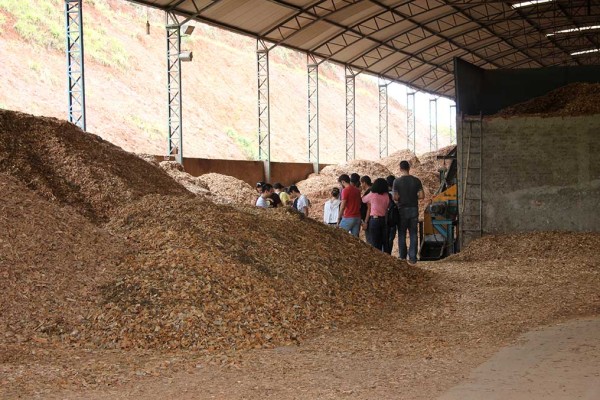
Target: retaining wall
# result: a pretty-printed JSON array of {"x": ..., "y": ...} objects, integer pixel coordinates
[{"x": 539, "y": 174}]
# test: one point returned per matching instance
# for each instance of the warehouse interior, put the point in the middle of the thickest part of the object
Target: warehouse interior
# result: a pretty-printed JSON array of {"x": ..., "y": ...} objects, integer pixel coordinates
[{"x": 154, "y": 276}]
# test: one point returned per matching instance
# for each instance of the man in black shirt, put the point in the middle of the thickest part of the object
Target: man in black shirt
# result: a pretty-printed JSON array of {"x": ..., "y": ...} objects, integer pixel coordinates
[{"x": 408, "y": 190}]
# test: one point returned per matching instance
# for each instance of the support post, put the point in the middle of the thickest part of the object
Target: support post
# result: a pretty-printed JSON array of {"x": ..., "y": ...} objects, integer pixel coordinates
[
  {"x": 313, "y": 111},
  {"x": 383, "y": 118},
  {"x": 453, "y": 139},
  {"x": 350, "y": 114},
  {"x": 264, "y": 118},
  {"x": 433, "y": 133},
  {"x": 174, "y": 87},
  {"x": 410, "y": 122},
  {"x": 75, "y": 62}
]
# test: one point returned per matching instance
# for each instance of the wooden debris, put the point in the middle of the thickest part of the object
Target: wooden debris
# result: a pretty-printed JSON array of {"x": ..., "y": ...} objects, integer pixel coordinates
[{"x": 570, "y": 100}]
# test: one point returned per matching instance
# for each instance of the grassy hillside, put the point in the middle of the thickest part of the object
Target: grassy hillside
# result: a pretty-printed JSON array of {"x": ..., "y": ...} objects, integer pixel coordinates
[{"x": 126, "y": 85}]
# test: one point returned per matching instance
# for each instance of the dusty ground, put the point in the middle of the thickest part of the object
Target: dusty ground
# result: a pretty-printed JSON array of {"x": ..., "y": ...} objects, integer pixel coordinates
[
  {"x": 557, "y": 362},
  {"x": 417, "y": 349}
]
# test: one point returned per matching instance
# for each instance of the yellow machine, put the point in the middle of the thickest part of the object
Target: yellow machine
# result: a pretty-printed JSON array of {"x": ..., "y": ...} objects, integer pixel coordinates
[{"x": 439, "y": 226}]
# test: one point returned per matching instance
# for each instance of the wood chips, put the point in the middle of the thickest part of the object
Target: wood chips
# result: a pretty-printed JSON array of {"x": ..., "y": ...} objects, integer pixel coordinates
[
  {"x": 570, "y": 100},
  {"x": 125, "y": 257}
]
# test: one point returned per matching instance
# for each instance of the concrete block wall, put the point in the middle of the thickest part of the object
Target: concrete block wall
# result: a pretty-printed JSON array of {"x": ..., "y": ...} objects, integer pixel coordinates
[{"x": 539, "y": 174}]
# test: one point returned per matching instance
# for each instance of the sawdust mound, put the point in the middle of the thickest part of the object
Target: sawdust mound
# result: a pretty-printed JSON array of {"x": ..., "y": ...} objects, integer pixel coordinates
[
  {"x": 208, "y": 276},
  {"x": 392, "y": 162},
  {"x": 172, "y": 271},
  {"x": 227, "y": 189},
  {"x": 570, "y": 100},
  {"x": 64, "y": 164},
  {"x": 362, "y": 167},
  {"x": 566, "y": 246},
  {"x": 191, "y": 183},
  {"x": 52, "y": 262},
  {"x": 317, "y": 187}
]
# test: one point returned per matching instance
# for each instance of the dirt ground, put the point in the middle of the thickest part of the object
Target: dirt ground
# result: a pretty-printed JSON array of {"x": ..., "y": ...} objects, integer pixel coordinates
[{"x": 424, "y": 345}]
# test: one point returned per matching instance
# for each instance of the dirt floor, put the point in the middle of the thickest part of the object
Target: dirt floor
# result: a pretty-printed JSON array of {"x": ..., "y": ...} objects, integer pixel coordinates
[
  {"x": 421, "y": 347},
  {"x": 557, "y": 362}
]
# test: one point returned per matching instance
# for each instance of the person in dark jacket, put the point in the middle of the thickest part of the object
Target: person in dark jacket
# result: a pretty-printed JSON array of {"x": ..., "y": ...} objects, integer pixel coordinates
[{"x": 408, "y": 190}]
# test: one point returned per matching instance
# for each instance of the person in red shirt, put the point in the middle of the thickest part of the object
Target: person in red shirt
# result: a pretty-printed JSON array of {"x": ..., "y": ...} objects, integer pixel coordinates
[{"x": 349, "y": 219}]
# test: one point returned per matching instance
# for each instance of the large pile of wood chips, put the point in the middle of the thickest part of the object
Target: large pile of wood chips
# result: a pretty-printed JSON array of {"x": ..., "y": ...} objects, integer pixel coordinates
[
  {"x": 63, "y": 164},
  {"x": 558, "y": 246},
  {"x": 52, "y": 262},
  {"x": 570, "y": 100},
  {"x": 106, "y": 250},
  {"x": 317, "y": 187}
]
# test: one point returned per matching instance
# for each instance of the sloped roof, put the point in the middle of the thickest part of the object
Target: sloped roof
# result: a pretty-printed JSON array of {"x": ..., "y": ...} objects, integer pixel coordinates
[{"x": 412, "y": 42}]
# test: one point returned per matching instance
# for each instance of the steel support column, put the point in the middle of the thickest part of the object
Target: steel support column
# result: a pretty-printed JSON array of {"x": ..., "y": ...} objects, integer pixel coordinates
[
  {"x": 75, "y": 62},
  {"x": 350, "y": 114},
  {"x": 313, "y": 111},
  {"x": 383, "y": 118},
  {"x": 264, "y": 117},
  {"x": 174, "y": 87},
  {"x": 410, "y": 122},
  {"x": 433, "y": 133},
  {"x": 452, "y": 124}
]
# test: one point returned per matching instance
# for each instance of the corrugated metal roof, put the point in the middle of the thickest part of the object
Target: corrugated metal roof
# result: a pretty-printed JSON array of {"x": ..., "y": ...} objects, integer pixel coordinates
[{"x": 412, "y": 42}]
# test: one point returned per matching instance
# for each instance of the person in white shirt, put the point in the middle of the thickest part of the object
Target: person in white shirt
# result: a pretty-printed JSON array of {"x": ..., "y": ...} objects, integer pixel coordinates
[
  {"x": 331, "y": 211},
  {"x": 266, "y": 190},
  {"x": 301, "y": 202}
]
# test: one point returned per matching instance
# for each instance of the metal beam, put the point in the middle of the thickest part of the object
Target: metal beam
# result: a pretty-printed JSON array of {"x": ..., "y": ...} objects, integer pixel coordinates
[
  {"x": 313, "y": 111},
  {"x": 75, "y": 63},
  {"x": 452, "y": 124},
  {"x": 264, "y": 116},
  {"x": 175, "y": 134},
  {"x": 433, "y": 125},
  {"x": 350, "y": 114},
  {"x": 410, "y": 122},
  {"x": 383, "y": 118}
]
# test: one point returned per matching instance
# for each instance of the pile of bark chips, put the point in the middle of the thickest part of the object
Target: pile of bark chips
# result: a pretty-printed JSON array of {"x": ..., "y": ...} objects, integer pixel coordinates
[{"x": 107, "y": 250}]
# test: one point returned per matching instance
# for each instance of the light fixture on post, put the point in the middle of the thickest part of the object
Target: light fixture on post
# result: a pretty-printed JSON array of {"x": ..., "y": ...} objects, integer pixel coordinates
[
  {"x": 187, "y": 29},
  {"x": 186, "y": 56}
]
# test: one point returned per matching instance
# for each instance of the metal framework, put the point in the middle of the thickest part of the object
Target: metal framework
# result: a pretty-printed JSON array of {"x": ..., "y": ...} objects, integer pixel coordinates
[
  {"x": 264, "y": 117},
  {"x": 383, "y": 118},
  {"x": 174, "y": 104},
  {"x": 75, "y": 62},
  {"x": 433, "y": 128},
  {"x": 312, "y": 67},
  {"x": 350, "y": 114},
  {"x": 412, "y": 42},
  {"x": 410, "y": 122}
]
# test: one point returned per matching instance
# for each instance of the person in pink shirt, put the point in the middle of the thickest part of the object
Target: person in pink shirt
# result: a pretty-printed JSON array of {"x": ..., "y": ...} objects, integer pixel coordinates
[{"x": 377, "y": 202}]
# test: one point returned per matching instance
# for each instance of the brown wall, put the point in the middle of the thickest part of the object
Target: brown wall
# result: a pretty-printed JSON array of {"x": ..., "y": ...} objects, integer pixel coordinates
[{"x": 250, "y": 171}]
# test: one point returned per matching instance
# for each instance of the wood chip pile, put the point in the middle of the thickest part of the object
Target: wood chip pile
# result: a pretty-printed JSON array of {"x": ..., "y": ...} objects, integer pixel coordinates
[
  {"x": 167, "y": 270},
  {"x": 191, "y": 183},
  {"x": 392, "y": 162},
  {"x": 208, "y": 276},
  {"x": 52, "y": 261},
  {"x": 62, "y": 163},
  {"x": 426, "y": 167},
  {"x": 558, "y": 246},
  {"x": 228, "y": 190},
  {"x": 361, "y": 167},
  {"x": 570, "y": 100}
]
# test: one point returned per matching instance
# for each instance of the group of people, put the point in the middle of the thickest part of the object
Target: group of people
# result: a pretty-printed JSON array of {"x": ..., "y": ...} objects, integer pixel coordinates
[
  {"x": 271, "y": 196},
  {"x": 382, "y": 208}
]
